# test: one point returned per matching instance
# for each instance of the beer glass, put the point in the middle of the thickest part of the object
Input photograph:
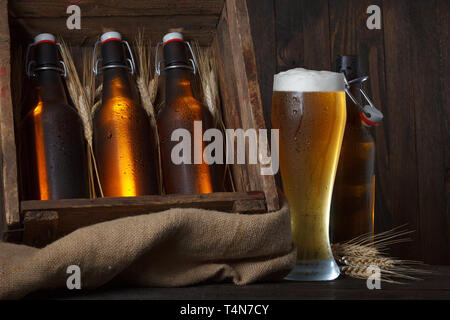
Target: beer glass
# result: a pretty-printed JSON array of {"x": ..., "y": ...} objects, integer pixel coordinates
[{"x": 308, "y": 108}]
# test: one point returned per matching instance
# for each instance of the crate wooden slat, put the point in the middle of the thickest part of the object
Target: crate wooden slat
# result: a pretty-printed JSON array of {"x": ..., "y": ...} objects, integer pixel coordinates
[
  {"x": 222, "y": 25},
  {"x": 199, "y": 27},
  {"x": 45, "y": 221},
  {"x": 233, "y": 47},
  {"x": 9, "y": 185},
  {"x": 95, "y": 8}
]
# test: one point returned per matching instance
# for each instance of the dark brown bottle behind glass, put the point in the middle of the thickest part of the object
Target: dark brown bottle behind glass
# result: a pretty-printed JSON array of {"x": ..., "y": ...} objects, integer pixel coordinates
[
  {"x": 352, "y": 208},
  {"x": 53, "y": 155},
  {"x": 180, "y": 111},
  {"x": 122, "y": 135}
]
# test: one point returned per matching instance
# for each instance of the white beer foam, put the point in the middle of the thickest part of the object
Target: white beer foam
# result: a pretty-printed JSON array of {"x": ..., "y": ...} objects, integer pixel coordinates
[{"x": 303, "y": 80}]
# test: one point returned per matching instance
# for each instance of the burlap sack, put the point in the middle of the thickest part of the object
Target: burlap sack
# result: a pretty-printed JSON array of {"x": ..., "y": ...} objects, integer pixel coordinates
[{"x": 177, "y": 247}]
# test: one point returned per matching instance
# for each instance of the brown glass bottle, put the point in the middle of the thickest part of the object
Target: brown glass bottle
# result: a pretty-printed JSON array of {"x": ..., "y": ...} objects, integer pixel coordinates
[
  {"x": 53, "y": 154},
  {"x": 352, "y": 208},
  {"x": 180, "y": 111},
  {"x": 122, "y": 135}
]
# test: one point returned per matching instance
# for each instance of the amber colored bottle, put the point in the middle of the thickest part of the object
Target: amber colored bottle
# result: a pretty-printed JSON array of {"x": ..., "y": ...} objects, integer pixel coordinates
[
  {"x": 352, "y": 208},
  {"x": 53, "y": 154},
  {"x": 122, "y": 135},
  {"x": 180, "y": 111}
]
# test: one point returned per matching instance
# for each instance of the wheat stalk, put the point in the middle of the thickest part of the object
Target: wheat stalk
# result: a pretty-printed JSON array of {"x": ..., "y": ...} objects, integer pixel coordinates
[
  {"x": 356, "y": 272},
  {"x": 209, "y": 85},
  {"x": 147, "y": 83},
  {"x": 82, "y": 99},
  {"x": 345, "y": 249},
  {"x": 357, "y": 255},
  {"x": 76, "y": 91},
  {"x": 208, "y": 82},
  {"x": 93, "y": 101},
  {"x": 384, "y": 262}
]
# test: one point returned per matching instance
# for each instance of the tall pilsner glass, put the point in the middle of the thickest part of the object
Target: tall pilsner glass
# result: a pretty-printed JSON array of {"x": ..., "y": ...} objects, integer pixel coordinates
[{"x": 308, "y": 108}]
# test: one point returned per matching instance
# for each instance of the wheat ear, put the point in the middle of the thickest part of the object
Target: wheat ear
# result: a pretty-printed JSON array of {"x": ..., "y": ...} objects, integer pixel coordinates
[
  {"x": 80, "y": 100},
  {"x": 357, "y": 255},
  {"x": 147, "y": 83},
  {"x": 92, "y": 95},
  {"x": 209, "y": 85}
]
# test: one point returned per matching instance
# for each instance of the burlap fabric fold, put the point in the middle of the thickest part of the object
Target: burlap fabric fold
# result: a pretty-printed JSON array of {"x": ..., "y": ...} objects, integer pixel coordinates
[{"x": 177, "y": 247}]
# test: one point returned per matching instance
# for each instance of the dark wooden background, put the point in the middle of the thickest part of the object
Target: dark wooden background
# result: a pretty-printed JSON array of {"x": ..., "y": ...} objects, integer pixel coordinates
[{"x": 408, "y": 64}]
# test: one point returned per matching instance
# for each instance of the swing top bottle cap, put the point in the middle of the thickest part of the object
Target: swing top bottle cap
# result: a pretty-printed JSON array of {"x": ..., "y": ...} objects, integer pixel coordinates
[
  {"x": 175, "y": 54},
  {"x": 112, "y": 49},
  {"x": 111, "y": 35},
  {"x": 172, "y": 36},
  {"x": 44, "y": 37},
  {"x": 45, "y": 51}
]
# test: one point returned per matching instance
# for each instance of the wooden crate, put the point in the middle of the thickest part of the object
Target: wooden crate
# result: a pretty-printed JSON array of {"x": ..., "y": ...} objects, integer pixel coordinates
[{"x": 222, "y": 25}]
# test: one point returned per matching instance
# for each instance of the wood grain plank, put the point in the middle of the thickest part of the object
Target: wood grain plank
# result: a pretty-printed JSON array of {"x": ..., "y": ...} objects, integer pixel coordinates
[
  {"x": 350, "y": 35},
  {"x": 436, "y": 286},
  {"x": 77, "y": 213},
  {"x": 249, "y": 94},
  {"x": 199, "y": 27},
  {"x": 444, "y": 77},
  {"x": 146, "y": 202},
  {"x": 401, "y": 186},
  {"x": 229, "y": 93},
  {"x": 302, "y": 34},
  {"x": 396, "y": 183},
  {"x": 40, "y": 228},
  {"x": 371, "y": 49},
  {"x": 289, "y": 34},
  {"x": 89, "y": 8},
  {"x": 343, "y": 28},
  {"x": 9, "y": 189},
  {"x": 239, "y": 77},
  {"x": 262, "y": 23},
  {"x": 430, "y": 134},
  {"x": 316, "y": 37}
]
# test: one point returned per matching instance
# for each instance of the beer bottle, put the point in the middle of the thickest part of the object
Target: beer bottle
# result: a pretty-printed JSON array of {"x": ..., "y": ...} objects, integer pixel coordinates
[
  {"x": 352, "y": 209},
  {"x": 180, "y": 111},
  {"x": 122, "y": 136},
  {"x": 53, "y": 154}
]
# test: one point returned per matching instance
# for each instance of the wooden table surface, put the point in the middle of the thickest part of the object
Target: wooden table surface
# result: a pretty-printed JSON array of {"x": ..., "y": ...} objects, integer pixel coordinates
[{"x": 433, "y": 286}]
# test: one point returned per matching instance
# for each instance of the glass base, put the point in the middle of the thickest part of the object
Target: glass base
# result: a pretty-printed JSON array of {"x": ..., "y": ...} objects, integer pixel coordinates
[{"x": 324, "y": 270}]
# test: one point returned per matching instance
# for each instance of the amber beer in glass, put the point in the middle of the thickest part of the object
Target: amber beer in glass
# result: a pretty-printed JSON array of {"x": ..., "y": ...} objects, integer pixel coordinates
[
  {"x": 53, "y": 152},
  {"x": 122, "y": 136},
  {"x": 180, "y": 111},
  {"x": 308, "y": 108}
]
